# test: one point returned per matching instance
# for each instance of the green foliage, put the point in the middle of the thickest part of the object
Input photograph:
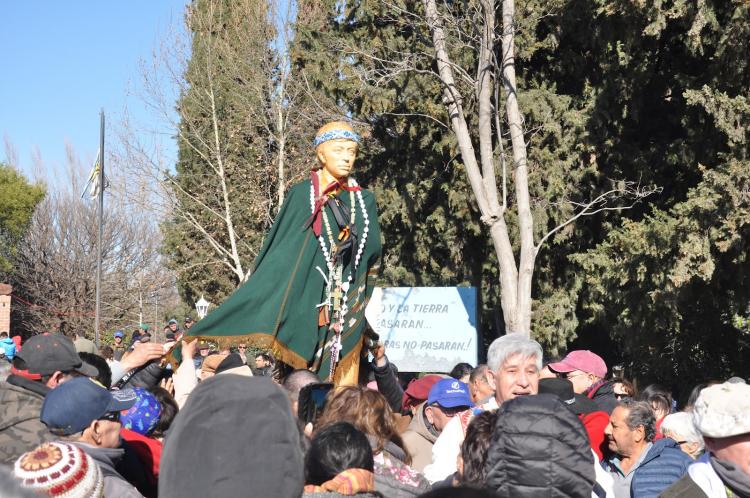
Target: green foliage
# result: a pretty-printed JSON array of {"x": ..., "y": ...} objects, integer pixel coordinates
[
  {"x": 18, "y": 199},
  {"x": 653, "y": 92},
  {"x": 223, "y": 141},
  {"x": 674, "y": 287}
]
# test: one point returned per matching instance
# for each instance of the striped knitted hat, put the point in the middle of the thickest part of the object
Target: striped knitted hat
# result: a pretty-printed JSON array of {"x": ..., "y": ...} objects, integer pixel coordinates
[{"x": 60, "y": 469}]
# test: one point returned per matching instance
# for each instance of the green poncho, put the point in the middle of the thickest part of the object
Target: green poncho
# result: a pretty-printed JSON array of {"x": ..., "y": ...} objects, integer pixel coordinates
[{"x": 277, "y": 308}]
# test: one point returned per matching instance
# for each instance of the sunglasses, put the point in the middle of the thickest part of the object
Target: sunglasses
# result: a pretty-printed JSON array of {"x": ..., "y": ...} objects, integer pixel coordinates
[
  {"x": 111, "y": 416},
  {"x": 449, "y": 412},
  {"x": 622, "y": 396}
]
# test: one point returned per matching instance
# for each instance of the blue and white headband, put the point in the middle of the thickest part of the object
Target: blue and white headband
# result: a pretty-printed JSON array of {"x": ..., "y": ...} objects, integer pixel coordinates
[{"x": 336, "y": 135}]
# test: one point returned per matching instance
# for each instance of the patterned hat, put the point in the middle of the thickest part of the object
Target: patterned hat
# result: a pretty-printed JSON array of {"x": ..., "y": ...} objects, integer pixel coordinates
[
  {"x": 143, "y": 416},
  {"x": 60, "y": 469}
]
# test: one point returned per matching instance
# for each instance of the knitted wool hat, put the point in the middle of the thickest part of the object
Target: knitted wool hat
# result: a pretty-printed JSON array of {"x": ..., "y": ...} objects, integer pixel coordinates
[
  {"x": 143, "y": 416},
  {"x": 60, "y": 469}
]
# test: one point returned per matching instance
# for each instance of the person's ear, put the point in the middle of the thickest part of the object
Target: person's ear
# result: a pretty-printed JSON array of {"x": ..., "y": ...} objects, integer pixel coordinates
[
  {"x": 55, "y": 379},
  {"x": 96, "y": 431},
  {"x": 490, "y": 380},
  {"x": 430, "y": 416},
  {"x": 692, "y": 447},
  {"x": 321, "y": 156},
  {"x": 639, "y": 434}
]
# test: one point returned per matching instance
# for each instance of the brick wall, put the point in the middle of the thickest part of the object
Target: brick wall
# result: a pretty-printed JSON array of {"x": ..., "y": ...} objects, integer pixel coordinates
[{"x": 5, "y": 291}]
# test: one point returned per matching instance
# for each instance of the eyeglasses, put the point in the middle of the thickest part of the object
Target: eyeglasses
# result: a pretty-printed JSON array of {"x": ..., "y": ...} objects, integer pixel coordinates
[
  {"x": 568, "y": 376},
  {"x": 111, "y": 416},
  {"x": 241, "y": 347}
]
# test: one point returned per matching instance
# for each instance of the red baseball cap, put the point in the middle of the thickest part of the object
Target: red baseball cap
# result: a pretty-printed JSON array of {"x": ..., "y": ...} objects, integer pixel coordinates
[
  {"x": 418, "y": 390},
  {"x": 583, "y": 360}
]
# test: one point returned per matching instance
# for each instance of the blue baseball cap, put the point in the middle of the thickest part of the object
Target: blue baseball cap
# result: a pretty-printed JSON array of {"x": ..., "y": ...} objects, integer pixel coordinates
[
  {"x": 449, "y": 393},
  {"x": 119, "y": 333},
  {"x": 73, "y": 405}
]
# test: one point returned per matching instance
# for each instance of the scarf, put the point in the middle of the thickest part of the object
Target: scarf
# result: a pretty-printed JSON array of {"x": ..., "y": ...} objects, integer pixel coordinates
[
  {"x": 732, "y": 477},
  {"x": 347, "y": 483},
  {"x": 321, "y": 199}
]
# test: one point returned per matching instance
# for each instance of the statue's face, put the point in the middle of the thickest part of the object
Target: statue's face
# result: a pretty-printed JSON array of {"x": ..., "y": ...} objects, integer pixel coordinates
[{"x": 337, "y": 157}]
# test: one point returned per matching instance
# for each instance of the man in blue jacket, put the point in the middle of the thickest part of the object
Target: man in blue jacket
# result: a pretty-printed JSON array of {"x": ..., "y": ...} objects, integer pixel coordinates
[{"x": 640, "y": 467}]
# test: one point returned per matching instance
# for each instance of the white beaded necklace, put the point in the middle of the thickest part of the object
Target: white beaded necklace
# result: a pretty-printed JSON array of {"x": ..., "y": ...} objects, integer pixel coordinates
[{"x": 331, "y": 279}]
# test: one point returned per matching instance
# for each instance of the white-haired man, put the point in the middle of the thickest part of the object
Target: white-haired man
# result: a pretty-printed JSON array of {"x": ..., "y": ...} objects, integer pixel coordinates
[
  {"x": 722, "y": 415},
  {"x": 515, "y": 362}
]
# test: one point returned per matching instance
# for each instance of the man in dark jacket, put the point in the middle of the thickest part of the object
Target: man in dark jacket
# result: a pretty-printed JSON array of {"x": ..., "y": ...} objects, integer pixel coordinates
[
  {"x": 45, "y": 362},
  {"x": 539, "y": 448},
  {"x": 587, "y": 371},
  {"x": 243, "y": 430},
  {"x": 722, "y": 415},
  {"x": 639, "y": 467}
]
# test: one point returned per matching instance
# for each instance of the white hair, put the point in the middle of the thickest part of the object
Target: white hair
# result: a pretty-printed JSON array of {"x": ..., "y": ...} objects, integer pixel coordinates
[
  {"x": 682, "y": 425},
  {"x": 509, "y": 345}
]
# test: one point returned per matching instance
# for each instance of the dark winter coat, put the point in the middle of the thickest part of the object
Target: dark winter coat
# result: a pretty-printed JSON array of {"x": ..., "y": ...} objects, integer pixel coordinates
[
  {"x": 685, "y": 487},
  {"x": 388, "y": 385},
  {"x": 539, "y": 449},
  {"x": 664, "y": 465},
  {"x": 604, "y": 396},
  {"x": 20, "y": 428},
  {"x": 235, "y": 436}
]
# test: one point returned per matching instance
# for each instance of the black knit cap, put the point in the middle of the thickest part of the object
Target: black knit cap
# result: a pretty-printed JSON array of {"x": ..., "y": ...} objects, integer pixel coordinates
[
  {"x": 563, "y": 389},
  {"x": 232, "y": 360}
]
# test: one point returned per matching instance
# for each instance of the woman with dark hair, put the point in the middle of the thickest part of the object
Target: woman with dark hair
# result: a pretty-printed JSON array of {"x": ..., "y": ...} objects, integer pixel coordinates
[
  {"x": 369, "y": 412},
  {"x": 660, "y": 400},
  {"x": 461, "y": 372},
  {"x": 623, "y": 389},
  {"x": 472, "y": 462},
  {"x": 339, "y": 463},
  {"x": 169, "y": 411}
]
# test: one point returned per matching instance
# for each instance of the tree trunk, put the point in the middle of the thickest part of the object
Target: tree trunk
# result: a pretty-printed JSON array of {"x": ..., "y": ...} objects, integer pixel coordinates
[{"x": 521, "y": 181}]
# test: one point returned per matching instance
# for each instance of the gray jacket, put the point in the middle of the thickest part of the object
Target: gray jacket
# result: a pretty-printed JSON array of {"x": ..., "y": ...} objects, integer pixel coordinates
[{"x": 115, "y": 486}]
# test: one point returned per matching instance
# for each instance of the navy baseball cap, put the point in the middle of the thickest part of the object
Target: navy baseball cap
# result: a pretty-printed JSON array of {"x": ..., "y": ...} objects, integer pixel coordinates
[
  {"x": 73, "y": 405},
  {"x": 449, "y": 393}
]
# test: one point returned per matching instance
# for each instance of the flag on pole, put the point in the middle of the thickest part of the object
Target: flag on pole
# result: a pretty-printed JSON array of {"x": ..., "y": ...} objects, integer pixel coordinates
[{"x": 92, "y": 185}]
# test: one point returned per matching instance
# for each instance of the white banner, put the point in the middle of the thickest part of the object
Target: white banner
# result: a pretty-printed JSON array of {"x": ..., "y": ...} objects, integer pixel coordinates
[{"x": 426, "y": 329}]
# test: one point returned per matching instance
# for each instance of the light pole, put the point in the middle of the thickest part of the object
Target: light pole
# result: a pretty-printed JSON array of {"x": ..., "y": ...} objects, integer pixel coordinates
[{"x": 201, "y": 306}]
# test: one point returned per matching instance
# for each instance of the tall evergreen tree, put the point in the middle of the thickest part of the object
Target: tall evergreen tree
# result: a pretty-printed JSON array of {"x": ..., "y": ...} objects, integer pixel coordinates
[{"x": 226, "y": 184}]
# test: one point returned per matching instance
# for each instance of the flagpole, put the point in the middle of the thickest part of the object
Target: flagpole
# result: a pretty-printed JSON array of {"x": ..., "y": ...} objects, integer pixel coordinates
[{"x": 100, "y": 235}]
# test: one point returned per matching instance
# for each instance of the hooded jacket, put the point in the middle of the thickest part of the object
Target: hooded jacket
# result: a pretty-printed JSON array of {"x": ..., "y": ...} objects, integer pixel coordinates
[
  {"x": 236, "y": 436},
  {"x": 9, "y": 347},
  {"x": 20, "y": 428},
  {"x": 539, "y": 449},
  {"x": 114, "y": 484},
  {"x": 419, "y": 438}
]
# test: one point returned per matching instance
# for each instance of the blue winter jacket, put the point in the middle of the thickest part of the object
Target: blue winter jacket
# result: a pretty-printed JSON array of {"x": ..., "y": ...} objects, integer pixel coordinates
[
  {"x": 665, "y": 463},
  {"x": 9, "y": 347}
]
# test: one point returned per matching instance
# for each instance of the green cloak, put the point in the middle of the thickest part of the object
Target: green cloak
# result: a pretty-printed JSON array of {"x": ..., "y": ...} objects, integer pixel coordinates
[{"x": 277, "y": 307}]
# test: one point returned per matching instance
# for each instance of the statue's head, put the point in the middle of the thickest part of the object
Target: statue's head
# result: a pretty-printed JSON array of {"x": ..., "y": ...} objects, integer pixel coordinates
[{"x": 336, "y": 146}]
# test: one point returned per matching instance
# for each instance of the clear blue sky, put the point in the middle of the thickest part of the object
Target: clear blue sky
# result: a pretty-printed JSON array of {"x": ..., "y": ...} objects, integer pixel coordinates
[{"x": 62, "y": 61}]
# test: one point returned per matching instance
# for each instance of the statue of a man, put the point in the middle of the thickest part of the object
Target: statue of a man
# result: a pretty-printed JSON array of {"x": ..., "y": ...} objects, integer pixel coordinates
[{"x": 315, "y": 273}]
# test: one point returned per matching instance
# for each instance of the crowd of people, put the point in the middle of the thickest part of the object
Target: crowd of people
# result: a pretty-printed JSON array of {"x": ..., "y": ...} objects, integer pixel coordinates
[{"x": 128, "y": 420}]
